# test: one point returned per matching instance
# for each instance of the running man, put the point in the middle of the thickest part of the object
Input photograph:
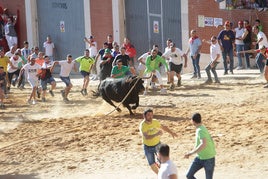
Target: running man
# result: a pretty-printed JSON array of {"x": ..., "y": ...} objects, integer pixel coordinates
[
  {"x": 151, "y": 130},
  {"x": 86, "y": 63},
  {"x": 32, "y": 76},
  {"x": 175, "y": 57},
  {"x": 66, "y": 68}
]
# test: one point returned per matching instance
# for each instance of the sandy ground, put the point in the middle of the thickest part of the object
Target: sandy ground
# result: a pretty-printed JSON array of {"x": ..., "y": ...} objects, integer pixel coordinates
[{"x": 77, "y": 140}]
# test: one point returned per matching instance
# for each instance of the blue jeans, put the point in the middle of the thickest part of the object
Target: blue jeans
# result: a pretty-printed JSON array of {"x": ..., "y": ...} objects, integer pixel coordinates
[
  {"x": 213, "y": 70},
  {"x": 259, "y": 61},
  {"x": 230, "y": 53},
  {"x": 197, "y": 164},
  {"x": 150, "y": 153},
  {"x": 239, "y": 55},
  {"x": 196, "y": 65}
]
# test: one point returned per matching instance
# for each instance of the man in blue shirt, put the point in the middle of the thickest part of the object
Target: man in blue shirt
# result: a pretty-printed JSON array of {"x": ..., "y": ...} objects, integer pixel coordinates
[{"x": 226, "y": 41}]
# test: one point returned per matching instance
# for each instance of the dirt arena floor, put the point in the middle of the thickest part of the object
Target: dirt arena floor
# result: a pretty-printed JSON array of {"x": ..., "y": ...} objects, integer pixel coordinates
[{"x": 78, "y": 140}]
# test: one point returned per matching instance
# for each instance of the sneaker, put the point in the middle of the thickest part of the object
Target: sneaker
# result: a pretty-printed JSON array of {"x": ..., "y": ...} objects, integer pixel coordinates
[
  {"x": 62, "y": 93},
  {"x": 163, "y": 91},
  {"x": 43, "y": 99},
  {"x": 179, "y": 82},
  {"x": 85, "y": 91},
  {"x": 217, "y": 81},
  {"x": 13, "y": 83},
  {"x": 34, "y": 102},
  {"x": 38, "y": 93},
  {"x": 82, "y": 92},
  {"x": 153, "y": 86},
  {"x": 145, "y": 92},
  {"x": 239, "y": 68},
  {"x": 199, "y": 77},
  {"x": 66, "y": 99},
  {"x": 2, "y": 106},
  {"x": 208, "y": 81},
  {"x": 194, "y": 76},
  {"x": 225, "y": 73},
  {"x": 265, "y": 86},
  {"x": 29, "y": 101},
  {"x": 51, "y": 93},
  {"x": 21, "y": 87},
  {"x": 172, "y": 87},
  {"x": 232, "y": 72}
]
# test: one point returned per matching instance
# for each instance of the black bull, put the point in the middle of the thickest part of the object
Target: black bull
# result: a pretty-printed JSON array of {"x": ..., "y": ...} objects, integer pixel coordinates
[{"x": 117, "y": 90}]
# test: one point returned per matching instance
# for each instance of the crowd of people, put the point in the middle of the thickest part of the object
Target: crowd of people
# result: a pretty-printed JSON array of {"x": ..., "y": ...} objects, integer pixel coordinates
[{"x": 118, "y": 61}]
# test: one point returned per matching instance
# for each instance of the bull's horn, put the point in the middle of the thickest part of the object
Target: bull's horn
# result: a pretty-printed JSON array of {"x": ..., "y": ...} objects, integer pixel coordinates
[{"x": 148, "y": 76}]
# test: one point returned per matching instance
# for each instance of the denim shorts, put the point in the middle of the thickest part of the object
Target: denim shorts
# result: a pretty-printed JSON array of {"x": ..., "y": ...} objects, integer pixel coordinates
[
  {"x": 66, "y": 80},
  {"x": 84, "y": 73},
  {"x": 150, "y": 153},
  {"x": 45, "y": 82}
]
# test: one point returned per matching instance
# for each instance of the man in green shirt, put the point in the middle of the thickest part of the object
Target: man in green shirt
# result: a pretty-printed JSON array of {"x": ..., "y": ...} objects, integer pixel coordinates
[
  {"x": 86, "y": 63},
  {"x": 119, "y": 70},
  {"x": 152, "y": 64},
  {"x": 205, "y": 149}
]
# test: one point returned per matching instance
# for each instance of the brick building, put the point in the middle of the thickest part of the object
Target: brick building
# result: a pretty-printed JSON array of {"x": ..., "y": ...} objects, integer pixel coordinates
[{"x": 134, "y": 19}]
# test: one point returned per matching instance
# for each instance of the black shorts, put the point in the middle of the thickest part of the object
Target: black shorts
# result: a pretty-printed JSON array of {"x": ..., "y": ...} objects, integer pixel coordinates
[
  {"x": 84, "y": 73},
  {"x": 266, "y": 62},
  {"x": 176, "y": 68}
]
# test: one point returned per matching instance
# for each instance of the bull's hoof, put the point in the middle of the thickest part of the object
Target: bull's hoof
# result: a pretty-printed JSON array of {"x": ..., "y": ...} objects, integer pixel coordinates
[{"x": 118, "y": 109}]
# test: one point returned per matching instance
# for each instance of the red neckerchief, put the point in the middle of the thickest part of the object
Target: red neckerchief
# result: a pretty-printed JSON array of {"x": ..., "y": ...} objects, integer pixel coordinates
[{"x": 191, "y": 40}]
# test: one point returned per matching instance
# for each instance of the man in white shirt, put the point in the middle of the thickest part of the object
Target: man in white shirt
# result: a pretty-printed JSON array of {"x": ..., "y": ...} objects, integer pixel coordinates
[
  {"x": 93, "y": 52},
  {"x": 168, "y": 169},
  {"x": 263, "y": 44},
  {"x": 32, "y": 69},
  {"x": 66, "y": 68},
  {"x": 175, "y": 57},
  {"x": 49, "y": 48},
  {"x": 215, "y": 53},
  {"x": 239, "y": 44}
]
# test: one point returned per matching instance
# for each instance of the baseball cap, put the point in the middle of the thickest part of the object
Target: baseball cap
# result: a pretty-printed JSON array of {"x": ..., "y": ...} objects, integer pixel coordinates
[
  {"x": 227, "y": 23},
  {"x": 262, "y": 47},
  {"x": 240, "y": 22},
  {"x": 107, "y": 51}
]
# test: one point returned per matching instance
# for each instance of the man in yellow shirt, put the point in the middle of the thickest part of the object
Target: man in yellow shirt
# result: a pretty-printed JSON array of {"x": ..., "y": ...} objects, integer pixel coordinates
[
  {"x": 86, "y": 64},
  {"x": 151, "y": 130},
  {"x": 4, "y": 60}
]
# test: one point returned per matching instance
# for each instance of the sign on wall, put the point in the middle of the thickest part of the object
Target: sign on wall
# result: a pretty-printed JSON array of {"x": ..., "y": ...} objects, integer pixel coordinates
[
  {"x": 62, "y": 26},
  {"x": 156, "y": 27},
  {"x": 217, "y": 22},
  {"x": 209, "y": 21}
]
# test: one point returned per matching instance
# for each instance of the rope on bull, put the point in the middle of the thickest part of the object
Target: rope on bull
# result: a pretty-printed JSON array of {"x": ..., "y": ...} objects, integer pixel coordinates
[{"x": 124, "y": 97}]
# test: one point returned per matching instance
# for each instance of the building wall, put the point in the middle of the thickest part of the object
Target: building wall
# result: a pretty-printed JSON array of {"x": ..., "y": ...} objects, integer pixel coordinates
[
  {"x": 14, "y": 7},
  {"x": 101, "y": 20}
]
